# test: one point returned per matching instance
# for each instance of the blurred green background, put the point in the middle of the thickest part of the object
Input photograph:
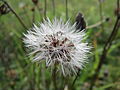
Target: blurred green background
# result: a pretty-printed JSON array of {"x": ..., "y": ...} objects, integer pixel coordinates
[{"x": 17, "y": 72}]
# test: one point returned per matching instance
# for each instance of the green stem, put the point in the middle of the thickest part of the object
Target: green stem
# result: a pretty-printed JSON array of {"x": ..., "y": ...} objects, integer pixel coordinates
[{"x": 19, "y": 19}]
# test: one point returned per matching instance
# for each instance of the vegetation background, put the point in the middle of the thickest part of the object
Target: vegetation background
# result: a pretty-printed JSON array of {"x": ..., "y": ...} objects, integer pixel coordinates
[{"x": 18, "y": 73}]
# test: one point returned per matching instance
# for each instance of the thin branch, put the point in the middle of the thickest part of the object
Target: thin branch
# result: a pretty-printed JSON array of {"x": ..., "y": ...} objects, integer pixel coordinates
[
  {"x": 15, "y": 14},
  {"x": 105, "y": 50},
  {"x": 96, "y": 24}
]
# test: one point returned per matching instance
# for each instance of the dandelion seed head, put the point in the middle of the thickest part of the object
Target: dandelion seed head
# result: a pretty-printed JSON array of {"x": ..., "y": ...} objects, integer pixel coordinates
[{"x": 58, "y": 43}]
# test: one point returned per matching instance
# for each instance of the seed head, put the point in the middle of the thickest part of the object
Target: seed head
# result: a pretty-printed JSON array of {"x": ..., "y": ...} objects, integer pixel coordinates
[{"x": 58, "y": 44}]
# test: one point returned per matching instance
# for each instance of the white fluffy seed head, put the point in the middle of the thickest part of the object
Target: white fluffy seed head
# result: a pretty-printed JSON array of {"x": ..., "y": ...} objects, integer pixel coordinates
[{"x": 58, "y": 43}]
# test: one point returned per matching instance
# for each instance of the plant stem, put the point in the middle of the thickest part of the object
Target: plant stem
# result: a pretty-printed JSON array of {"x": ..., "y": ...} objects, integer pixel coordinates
[
  {"x": 39, "y": 9},
  {"x": 53, "y": 4},
  {"x": 45, "y": 8},
  {"x": 43, "y": 78},
  {"x": 66, "y": 4},
  {"x": 15, "y": 14},
  {"x": 54, "y": 77},
  {"x": 96, "y": 24},
  {"x": 101, "y": 16},
  {"x": 75, "y": 78},
  {"x": 33, "y": 16},
  {"x": 105, "y": 50}
]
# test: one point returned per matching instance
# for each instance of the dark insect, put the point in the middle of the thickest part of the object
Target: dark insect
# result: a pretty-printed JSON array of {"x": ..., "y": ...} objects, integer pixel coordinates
[
  {"x": 80, "y": 22},
  {"x": 4, "y": 9}
]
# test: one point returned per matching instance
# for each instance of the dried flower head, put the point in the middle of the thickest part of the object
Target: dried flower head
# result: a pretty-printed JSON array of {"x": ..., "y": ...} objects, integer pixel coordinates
[
  {"x": 59, "y": 44},
  {"x": 4, "y": 9},
  {"x": 80, "y": 22}
]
